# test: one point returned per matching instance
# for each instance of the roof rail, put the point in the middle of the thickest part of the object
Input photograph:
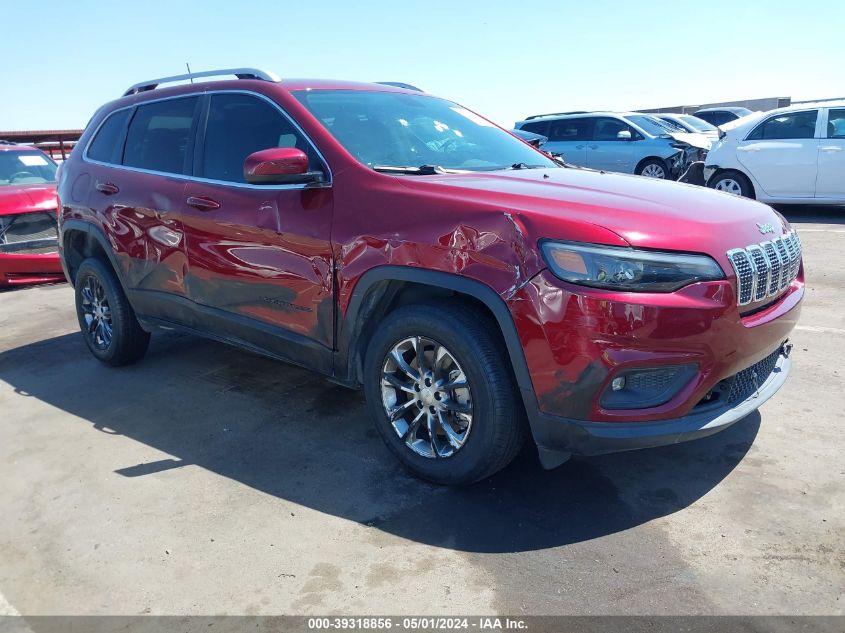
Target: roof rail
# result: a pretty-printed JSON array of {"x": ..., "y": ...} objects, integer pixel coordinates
[
  {"x": 537, "y": 116},
  {"x": 240, "y": 73},
  {"x": 399, "y": 84}
]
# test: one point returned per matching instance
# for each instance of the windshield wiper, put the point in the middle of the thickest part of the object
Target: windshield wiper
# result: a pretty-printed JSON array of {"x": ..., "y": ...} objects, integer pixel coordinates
[
  {"x": 525, "y": 166},
  {"x": 422, "y": 170}
]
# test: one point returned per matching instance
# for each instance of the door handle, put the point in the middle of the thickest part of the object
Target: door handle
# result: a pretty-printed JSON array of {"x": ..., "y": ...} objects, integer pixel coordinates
[
  {"x": 593, "y": 146},
  {"x": 108, "y": 188},
  {"x": 579, "y": 147},
  {"x": 202, "y": 203},
  {"x": 832, "y": 148}
]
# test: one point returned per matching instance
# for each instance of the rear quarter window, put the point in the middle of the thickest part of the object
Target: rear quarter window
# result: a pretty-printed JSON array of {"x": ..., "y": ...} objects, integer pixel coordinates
[{"x": 107, "y": 145}]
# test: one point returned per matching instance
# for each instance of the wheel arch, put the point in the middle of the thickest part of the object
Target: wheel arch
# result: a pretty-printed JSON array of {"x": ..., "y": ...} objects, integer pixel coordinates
[
  {"x": 734, "y": 170},
  {"x": 643, "y": 161},
  {"x": 381, "y": 290},
  {"x": 80, "y": 240}
]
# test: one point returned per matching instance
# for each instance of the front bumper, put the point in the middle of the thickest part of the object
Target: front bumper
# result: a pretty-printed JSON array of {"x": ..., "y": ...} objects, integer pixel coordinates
[
  {"x": 18, "y": 270},
  {"x": 560, "y": 435}
]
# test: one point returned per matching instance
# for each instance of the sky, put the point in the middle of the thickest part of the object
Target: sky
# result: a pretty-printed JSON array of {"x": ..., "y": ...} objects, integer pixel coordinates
[{"x": 506, "y": 60}]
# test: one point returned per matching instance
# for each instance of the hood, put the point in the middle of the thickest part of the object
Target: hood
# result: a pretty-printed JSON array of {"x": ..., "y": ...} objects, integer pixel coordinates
[
  {"x": 567, "y": 203},
  {"x": 23, "y": 198},
  {"x": 692, "y": 138}
]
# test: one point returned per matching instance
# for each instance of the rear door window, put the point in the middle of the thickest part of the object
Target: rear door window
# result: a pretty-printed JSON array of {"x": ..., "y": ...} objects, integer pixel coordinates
[
  {"x": 571, "y": 129},
  {"x": 159, "y": 137},
  {"x": 792, "y": 125},
  {"x": 536, "y": 127},
  {"x": 241, "y": 124},
  {"x": 107, "y": 145}
]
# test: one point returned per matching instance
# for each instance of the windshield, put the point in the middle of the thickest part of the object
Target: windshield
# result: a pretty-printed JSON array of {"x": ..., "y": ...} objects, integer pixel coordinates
[
  {"x": 388, "y": 129},
  {"x": 653, "y": 125},
  {"x": 699, "y": 124},
  {"x": 29, "y": 167},
  {"x": 675, "y": 126}
]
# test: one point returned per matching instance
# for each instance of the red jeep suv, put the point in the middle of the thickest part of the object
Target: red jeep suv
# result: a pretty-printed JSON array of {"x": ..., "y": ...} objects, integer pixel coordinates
[
  {"x": 386, "y": 238},
  {"x": 28, "y": 251}
]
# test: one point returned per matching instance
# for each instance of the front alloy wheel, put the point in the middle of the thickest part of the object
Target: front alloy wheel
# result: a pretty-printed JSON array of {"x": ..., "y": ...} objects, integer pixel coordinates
[{"x": 427, "y": 398}]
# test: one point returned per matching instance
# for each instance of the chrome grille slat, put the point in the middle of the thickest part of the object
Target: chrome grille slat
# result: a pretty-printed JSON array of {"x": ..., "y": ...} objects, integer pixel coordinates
[{"x": 766, "y": 269}]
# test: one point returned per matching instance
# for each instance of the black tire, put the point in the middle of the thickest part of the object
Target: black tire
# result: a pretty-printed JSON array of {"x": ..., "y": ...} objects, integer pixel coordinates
[
  {"x": 127, "y": 342},
  {"x": 732, "y": 182},
  {"x": 471, "y": 337},
  {"x": 654, "y": 163}
]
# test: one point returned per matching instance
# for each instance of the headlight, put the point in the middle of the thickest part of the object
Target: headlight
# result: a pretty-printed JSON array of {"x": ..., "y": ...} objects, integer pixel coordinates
[{"x": 627, "y": 269}]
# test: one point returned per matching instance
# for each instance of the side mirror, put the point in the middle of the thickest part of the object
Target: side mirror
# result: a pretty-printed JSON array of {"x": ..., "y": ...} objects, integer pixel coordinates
[
  {"x": 279, "y": 165},
  {"x": 624, "y": 135}
]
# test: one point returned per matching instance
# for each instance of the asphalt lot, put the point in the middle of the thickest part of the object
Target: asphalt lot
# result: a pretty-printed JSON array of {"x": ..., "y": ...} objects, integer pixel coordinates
[{"x": 206, "y": 480}]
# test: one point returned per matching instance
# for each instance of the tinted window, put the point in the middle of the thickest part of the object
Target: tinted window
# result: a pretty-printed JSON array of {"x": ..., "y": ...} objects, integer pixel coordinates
[
  {"x": 536, "y": 127},
  {"x": 836, "y": 124},
  {"x": 239, "y": 125},
  {"x": 716, "y": 118},
  {"x": 608, "y": 129},
  {"x": 571, "y": 129},
  {"x": 108, "y": 143},
  {"x": 786, "y": 126},
  {"x": 159, "y": 134}
]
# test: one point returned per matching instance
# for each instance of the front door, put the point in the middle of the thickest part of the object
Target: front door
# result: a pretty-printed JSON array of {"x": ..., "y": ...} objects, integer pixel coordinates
[
  {"x": 259, "y": 256},
  {"x": 831, "y": 179},
  {"x": 782, "y": 154},
  {"x": 606, "y": 150}
]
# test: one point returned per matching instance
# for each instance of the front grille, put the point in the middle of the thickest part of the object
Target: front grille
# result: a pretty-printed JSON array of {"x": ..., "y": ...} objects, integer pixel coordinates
[
  {"x": 749, "y": 380},
  {"x": 29, "y": 233},
  {"x": 766, "y": 269}
]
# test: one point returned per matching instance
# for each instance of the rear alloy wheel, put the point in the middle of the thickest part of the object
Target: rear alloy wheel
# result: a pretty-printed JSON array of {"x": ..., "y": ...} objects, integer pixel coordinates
[
  {"x": 653, "y": 168},
  {"x": 732, "y": 182},
  {"x": 108, "y": 323},
  {"x": 441, "y": 392}
]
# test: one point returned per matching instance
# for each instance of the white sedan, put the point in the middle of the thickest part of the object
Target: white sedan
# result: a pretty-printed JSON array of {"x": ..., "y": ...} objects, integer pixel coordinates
[{"x": 789, "y": 155}]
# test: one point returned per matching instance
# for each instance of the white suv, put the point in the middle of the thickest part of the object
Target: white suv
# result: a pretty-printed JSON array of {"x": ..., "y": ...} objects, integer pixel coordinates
[{"x": 789, "y": 155}]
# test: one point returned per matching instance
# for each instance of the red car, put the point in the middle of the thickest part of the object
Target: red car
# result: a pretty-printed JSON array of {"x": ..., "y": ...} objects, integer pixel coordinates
[
  {"x": 28, "y": 250},
  {"x": 477, "y": 290}
]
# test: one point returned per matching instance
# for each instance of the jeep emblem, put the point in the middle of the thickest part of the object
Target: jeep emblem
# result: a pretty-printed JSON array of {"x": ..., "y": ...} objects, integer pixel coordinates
[{"x": 765, "y": 228}]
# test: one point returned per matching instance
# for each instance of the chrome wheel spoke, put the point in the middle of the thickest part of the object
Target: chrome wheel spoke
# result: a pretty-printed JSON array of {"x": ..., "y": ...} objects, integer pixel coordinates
[
  {"x": 455, "y": 439},
  {"x": 432, "y": 434},
  {"x": 394, "y": 381},
  {"x": 419, "y": 351},
  {"x": 400, "y": 410},
  {"x": 455, "y": 383},
  {"x": 455, "y": 407},
  {"x": 402, "y": 364},
  {"x": 413, "y": 426}
]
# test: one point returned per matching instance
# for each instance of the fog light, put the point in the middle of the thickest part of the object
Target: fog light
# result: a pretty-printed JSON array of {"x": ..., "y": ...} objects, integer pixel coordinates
[{"x": 618, "y": 383}]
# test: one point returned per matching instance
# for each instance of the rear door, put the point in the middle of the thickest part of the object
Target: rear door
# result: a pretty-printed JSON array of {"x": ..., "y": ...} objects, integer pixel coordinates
[
  {"x": 138, "y": 186},
  {"x": 606, "y": 150},
  {"x": 782, "y": 154},
  {"x": 831, "y": 179},
  {"x": 569, "y": 137},
  {"x": 259, "y": 256}
]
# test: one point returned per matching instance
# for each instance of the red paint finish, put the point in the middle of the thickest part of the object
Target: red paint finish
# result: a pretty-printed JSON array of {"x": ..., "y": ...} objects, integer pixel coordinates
[
  {"x": 18, "y": 269},
  {"x": 292, "y": 258},
  {"x": 275, "y": 161}
]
